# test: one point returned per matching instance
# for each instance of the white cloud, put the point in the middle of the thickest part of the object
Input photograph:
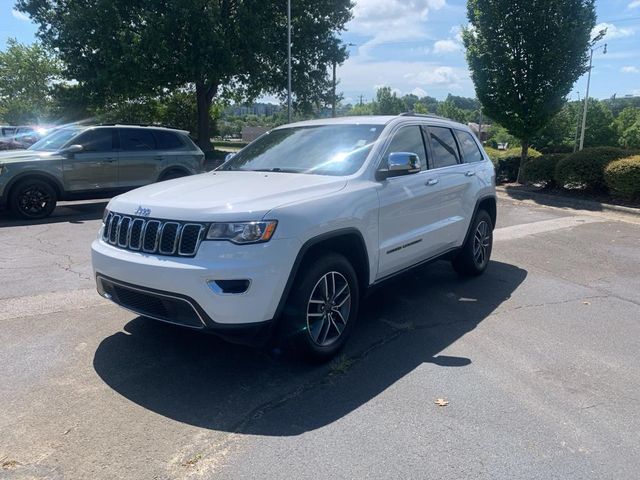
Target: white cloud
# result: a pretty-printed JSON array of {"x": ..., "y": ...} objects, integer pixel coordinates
[
  {"x": 630, "y": 69},
  {"x": 634, "y": 4},
  {"x": 391, "y": 21},
  {"x": 441, "y": 75},
  {"x": 612, "y": 31},
  {"x": 418, "y": 92},
  {"x": 446, "y": 46},
  {"x": 20, "y": 16}
]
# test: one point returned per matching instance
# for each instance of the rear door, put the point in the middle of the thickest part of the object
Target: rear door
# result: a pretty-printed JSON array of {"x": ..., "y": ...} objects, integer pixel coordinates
[
  {"x": 96, "y": 166},
  {"x": 453, "y": 184},
  {"x": 140, "y": 161}
]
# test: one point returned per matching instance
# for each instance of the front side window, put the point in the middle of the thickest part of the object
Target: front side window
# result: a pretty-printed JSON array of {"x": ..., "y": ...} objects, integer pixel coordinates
[
  {"x": 470, "y": 151},
  {"x": 136, "y": 140},
  {"x": 443, "y": 147},
  {"x": 408, "y": 140},
  {"x": 320, "y": 150},
  {"x": 97, "y": 140}
]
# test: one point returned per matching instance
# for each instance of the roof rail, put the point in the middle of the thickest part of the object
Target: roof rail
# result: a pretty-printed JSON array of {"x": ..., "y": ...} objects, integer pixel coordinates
[
  {"x": 424, "y": 115},
  {"x": 153, "y": 125}
]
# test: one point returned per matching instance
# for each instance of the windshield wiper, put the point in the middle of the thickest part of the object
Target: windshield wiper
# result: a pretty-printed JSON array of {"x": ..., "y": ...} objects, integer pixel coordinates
[{"x": 275, "y": 170}]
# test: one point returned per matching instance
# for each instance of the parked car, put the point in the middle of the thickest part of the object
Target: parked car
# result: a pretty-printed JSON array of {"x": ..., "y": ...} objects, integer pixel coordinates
[
  {"x": 289, "y": 233},
  {"x": 20, "y": 137},
  {"x": 91, "y": 162}
]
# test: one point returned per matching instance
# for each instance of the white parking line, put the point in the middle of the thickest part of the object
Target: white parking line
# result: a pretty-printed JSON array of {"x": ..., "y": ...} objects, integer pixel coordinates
[{"x": 526, "y": 229}]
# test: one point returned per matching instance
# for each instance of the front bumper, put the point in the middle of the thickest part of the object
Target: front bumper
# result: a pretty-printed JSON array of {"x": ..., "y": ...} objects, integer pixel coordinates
[{"x": 176, "y": 290}]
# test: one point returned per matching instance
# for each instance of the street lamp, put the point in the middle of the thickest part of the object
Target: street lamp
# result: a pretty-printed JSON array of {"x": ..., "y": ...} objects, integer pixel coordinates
[
  {"x": 586, "y": 98},
  {"x": 335, "y": 83}
]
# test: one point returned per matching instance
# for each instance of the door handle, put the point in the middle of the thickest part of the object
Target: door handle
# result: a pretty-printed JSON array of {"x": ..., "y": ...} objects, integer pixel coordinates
[
  {"x": 159, "y": 157},
  {"x": 470, "y": 173},
  {"x": 109, "y": 160},
  {"x": 431, "y": 182}
]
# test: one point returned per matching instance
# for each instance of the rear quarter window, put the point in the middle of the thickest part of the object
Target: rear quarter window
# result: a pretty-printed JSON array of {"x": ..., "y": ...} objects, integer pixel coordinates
[
  {"x": 470, "y": 151},
  {"x": 168, "y": 140}
]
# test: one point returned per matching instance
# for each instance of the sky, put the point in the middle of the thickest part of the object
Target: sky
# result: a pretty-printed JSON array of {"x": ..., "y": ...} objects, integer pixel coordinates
[{"x": 414, "y": 46}]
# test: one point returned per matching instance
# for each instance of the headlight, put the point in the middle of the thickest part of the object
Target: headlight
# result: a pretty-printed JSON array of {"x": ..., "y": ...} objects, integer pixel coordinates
[{"x": 242, "y": 232}]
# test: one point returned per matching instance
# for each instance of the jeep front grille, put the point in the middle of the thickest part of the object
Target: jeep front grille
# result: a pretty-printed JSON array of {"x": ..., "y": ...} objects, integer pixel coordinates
[{"x": 162, "y": 237}]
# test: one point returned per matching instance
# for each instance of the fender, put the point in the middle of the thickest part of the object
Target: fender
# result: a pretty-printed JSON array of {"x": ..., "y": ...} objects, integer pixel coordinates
[
  {"x": 303, "y": 251},
  {"x": 174, "y": 169},
  {"x": 475, "y": 211}
]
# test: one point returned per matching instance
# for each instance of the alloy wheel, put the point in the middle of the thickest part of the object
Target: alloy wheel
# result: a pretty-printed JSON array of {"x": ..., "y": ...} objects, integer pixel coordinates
[
  {"x": 481, "y": 243},
  {"x": 328, "y": 309}
]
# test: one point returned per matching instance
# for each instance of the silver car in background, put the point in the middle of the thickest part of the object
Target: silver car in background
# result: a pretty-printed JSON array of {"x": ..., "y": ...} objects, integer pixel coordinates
[{"x": 79, "y": 162}]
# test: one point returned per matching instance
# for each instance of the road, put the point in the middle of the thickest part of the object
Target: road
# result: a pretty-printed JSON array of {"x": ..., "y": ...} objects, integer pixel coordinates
[{"x": 539, "y": 360}]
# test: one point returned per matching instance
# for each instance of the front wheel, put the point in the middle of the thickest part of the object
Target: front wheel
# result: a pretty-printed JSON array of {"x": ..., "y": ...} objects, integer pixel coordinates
[
  {"x": 474, "y": 257},
  {"x": 322, "y": 308},
  {"x": 33, "y": 199}
]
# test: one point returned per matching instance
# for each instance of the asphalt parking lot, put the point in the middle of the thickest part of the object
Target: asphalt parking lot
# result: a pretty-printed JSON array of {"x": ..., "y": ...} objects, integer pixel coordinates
[{"x": 539, "y": 360}]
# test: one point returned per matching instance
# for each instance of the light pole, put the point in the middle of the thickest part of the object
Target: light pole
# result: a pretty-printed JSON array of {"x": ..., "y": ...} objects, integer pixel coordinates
[
  {"x": 575, "y": 143},
  {"x": 586, "y": 98},
  {"x": 334, "y": 100},
  {"x": 289, "y": 60}
]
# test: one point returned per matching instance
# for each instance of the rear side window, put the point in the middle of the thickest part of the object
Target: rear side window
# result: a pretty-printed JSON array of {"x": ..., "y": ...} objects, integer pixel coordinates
[
  {"x": 136, "y": 140},
  {"x": 98, "y": 140},
  {"x": 408, "y": 140},
  {"x": 443, "y": 147},
  {"x": 167, "y": 140},
  {"x": 470, "y": 151}
]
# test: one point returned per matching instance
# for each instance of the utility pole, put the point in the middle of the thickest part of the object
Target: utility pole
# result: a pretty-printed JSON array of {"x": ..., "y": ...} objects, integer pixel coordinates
[
  {"x": 361, "y": 99},
  {"x": 289, "y": 113},
  {"x": 586, "y": 98},
  {"x": 334, "y": 99},
  {"x": 575, "y": 144}
]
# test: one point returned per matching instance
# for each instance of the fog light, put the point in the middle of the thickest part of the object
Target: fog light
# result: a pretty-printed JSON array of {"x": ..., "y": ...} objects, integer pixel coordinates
[{"x": 229, "y": 287}]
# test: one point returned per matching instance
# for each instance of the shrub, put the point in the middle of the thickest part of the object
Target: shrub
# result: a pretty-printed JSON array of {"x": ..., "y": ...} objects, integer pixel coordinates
[
  {"x": 585, "y": 169},
  {"x": 506, "y": 169},
  {"x": 623, "y": 177},
  {"x": 542, "y": 169},
  {"x": 566, "y": 149},
  {"x": 512, "y": 152}
]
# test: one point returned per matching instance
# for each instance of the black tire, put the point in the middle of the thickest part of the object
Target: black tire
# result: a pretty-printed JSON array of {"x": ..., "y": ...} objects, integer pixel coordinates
[
  {"x": 172, "y": 174},
  {"x": 33, "y": 199},
  {"x": 308, "y": 330},
  {"x": 475, "y": 254}
]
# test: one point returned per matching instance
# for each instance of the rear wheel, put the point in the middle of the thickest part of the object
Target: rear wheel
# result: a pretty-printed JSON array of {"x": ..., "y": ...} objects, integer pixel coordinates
[
  {"x": 322, "y": 309},
  {"x": 475, "y": 255},
  {"x": 172, "y": 174},
  {"x": 33, "y": 199}
]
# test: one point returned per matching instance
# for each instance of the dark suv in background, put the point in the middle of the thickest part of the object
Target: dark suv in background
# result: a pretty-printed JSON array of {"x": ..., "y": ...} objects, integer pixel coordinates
[{"x": 91, "y": 162}]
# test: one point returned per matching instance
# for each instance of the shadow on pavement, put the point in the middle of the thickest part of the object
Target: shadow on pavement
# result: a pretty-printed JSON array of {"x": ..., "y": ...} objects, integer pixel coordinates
[
  {"x": 64, "y": 213},
  {"x": 199, "y": 380}
]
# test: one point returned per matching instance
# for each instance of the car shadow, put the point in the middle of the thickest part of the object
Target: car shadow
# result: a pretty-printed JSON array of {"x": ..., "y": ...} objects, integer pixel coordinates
[
  {"x": 65, "y": 212},
  {"x": 200, "y": 380}
]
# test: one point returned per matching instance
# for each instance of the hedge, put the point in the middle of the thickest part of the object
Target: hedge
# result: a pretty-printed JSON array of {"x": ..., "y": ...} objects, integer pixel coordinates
[
  {"x": 542, "y": 169},
  {"x": 623, "y": 177},
  {"x": 585, "y": 169}
]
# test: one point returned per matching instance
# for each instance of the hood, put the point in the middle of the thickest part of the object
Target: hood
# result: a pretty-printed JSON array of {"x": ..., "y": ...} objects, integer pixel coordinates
[
  {"x": 225, "y": 196},
  {"x": 17, "y": 156}
]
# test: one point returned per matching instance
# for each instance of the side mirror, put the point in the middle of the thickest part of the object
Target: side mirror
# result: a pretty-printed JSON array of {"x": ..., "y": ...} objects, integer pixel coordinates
[
  {"x": 229, "y": 156},
  {"x": 399, "y": 164},
  {"x": 71, "y": 150}
]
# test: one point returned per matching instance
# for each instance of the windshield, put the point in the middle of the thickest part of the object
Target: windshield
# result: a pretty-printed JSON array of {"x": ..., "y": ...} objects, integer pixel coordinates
[
  {"x": 56, "y": 140},
  {"x": 321, "y": 150}
]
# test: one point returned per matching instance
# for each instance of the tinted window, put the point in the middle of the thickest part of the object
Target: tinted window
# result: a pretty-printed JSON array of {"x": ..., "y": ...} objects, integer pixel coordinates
[
  {"x": 98, "y": 140},
  {"x": 470, "y": 151},
  {"x": 167, "y": 140},
  {"x": 134, "y": 139},
  {"x": 443, "y": 147},
  {"x": 409, "y": 140}
]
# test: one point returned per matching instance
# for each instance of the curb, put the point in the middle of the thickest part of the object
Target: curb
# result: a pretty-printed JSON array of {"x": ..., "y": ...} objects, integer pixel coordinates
[{"x": 565, "y": 202}]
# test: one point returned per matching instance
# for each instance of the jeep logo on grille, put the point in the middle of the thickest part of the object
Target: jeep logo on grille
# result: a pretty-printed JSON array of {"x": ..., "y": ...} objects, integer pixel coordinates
[{"x": 143, "y": 212}]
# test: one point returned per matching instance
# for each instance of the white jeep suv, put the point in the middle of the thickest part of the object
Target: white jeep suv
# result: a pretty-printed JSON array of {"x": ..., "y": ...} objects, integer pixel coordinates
[{"x": 287, "y": 236}]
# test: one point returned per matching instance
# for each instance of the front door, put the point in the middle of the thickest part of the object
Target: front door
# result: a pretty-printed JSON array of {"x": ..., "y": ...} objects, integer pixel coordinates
[
  {"x": 96, "y": 166},
  {"x": 406, "y": 208}
]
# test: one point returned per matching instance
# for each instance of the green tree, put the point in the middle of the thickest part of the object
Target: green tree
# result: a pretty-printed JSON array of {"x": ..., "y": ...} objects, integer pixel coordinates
[
  {"x": 387, "y": 102},
  {"x": 449, "y": 110},
  {"x": 630, "y": 138},
  {"x": 214, "y": 47},
  {"x": 625, "y": 120},
  {"x": 600, "y": 131},
  {"x": 524, "y": 58},
  {"x": 27, "y": 76}
]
